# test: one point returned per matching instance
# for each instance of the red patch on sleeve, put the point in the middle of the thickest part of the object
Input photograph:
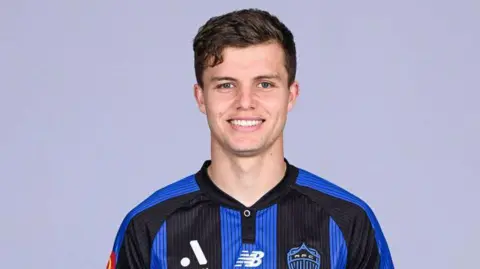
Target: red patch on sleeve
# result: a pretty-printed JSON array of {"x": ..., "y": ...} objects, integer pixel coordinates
[{"x": 111, "y": 261}]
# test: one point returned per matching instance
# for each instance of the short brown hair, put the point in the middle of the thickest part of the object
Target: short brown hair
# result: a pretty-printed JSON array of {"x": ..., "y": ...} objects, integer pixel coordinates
[{"x": 241, "y": 28}]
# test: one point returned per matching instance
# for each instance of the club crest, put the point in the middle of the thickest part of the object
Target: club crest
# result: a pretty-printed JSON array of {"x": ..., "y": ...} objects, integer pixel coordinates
[{"x": 303, "y": 257}]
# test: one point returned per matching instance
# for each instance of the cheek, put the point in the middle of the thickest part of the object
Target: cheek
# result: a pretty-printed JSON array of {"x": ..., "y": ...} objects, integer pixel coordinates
[
  {"x": 215, "y": 112},
  {"x": 219, "y": 115},
  {"x": 218, "y": 107},
  {"x": 275, "y": 105}
]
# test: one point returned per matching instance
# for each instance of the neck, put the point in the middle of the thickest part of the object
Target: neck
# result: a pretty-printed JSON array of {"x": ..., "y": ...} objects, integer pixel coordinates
[{"x": 247, "y": 179}]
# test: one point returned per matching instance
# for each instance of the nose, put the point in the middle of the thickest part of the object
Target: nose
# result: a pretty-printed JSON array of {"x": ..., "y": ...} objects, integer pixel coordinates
[{"x": 245, "y": 99}]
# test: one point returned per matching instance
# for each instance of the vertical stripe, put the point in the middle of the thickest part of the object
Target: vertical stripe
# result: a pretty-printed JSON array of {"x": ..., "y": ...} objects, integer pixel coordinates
[
  {"x": 266, "y": 232},
  {"x": 310, "y": 180},
  {"x": 231, "y": 236},
  {"x": 181, "y": 187},
  {"x": 302, "y": 224},
  {"x": 338, "y": 247},
  {"x": 193, "y": 237},
  {"x": 266, "y": 239},
  {"x": 159, "y": 249}
]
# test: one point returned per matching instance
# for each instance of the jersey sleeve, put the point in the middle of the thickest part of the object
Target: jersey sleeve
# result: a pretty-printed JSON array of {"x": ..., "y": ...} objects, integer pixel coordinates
[
  {"x": 368, "y": 248},
  {"x": 131, "y": 248}
]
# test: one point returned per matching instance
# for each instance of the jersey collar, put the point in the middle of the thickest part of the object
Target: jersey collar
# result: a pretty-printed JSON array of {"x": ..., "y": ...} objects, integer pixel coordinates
[{"x": 216, "y": 194}]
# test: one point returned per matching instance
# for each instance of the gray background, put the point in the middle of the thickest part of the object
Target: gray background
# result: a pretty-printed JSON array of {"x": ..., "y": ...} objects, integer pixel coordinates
[{"x": 96, "y": 103}]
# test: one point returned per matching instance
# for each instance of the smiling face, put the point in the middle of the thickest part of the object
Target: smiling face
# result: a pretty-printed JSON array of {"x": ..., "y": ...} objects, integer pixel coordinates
[{"x": 246, "y": 99}]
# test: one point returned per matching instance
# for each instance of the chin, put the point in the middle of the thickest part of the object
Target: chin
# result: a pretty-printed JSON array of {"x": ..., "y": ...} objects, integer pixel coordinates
[{"x": 246, "y": 152}]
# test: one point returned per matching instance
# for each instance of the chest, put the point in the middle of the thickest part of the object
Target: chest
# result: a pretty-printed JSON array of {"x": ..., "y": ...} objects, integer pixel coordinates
[{"x": 275, "y": 237}]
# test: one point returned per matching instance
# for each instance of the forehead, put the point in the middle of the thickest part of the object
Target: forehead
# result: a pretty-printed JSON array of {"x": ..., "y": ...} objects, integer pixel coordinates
[{"x": 250, "y": 62}]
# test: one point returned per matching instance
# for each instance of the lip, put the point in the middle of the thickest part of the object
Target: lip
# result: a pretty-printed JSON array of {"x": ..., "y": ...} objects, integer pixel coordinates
[{"x": 246, "y": 118}]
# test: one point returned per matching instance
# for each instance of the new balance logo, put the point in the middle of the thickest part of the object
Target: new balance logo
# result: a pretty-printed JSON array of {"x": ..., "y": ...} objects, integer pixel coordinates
[{"x": 252, "y": 259}]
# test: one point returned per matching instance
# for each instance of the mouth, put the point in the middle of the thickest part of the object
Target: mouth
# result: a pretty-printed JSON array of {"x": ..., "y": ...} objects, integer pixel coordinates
[{"x": 246, "y": 124}]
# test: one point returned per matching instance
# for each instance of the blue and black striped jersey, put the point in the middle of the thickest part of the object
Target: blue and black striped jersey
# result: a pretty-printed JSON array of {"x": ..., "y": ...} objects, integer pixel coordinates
[{"x": 304, "y": 222}]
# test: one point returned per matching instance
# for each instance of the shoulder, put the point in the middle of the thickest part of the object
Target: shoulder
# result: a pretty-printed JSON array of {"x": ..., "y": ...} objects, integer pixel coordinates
[
  {"x": 352, "y": 215},
  {"x": 154, "y": 209},
  {"x": 330, "y": 195},
  {"x": 169, "y": 196}
]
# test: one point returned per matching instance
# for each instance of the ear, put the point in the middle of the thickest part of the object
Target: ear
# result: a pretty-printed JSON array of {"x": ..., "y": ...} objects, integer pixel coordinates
[
  {"x": 199, "y": 97},
  {"x": 294, "y": 91}
]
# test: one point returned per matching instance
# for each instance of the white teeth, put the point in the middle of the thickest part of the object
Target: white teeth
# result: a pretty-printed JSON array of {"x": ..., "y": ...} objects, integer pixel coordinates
[{"x": 245, "y": 123}]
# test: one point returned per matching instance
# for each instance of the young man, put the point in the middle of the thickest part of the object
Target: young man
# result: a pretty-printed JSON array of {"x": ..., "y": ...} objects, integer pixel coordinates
[{"x": 248, "y": 206}]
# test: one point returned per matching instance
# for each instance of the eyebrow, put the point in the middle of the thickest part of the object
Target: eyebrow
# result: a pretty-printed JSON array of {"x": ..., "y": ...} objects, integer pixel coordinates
[
  {"x": 260, "y": 77},
  {"x": 222, "y": 78},
  {"x": 269, "y": 76}
]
